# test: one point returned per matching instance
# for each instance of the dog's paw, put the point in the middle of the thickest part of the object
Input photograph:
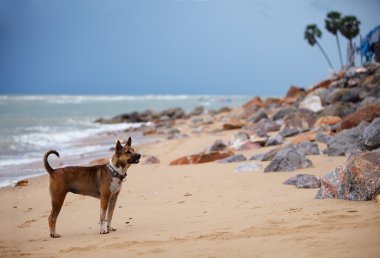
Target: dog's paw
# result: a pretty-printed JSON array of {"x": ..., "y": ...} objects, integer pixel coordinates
[
  {"x": 55, "y": 235},
  {"x": 104, "y": 232},
  {"x": 111, "y": 228}
]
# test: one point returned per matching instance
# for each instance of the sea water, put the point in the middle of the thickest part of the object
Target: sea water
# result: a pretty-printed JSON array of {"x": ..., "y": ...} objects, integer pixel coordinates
[{"x": 31, "y": 125}]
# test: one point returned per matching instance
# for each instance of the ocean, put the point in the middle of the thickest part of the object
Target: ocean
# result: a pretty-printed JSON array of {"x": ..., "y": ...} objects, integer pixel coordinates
[{"x": 31, "y": 125}]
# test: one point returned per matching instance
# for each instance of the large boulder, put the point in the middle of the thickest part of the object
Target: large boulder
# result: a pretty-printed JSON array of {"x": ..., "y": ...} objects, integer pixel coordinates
[
  {"x": 281, "y": 113},
  {"x": 265, "y": 126},
  {"x": 288, "y": 159},
  {"x": 308, "y": 148},
  {"x": 345, "y": 141},
  {"x": 257, "y": 116},
  {"x": 304, "y": 181},
  {"x": 357, "y": 180},
  {"x": 298, "y": 120},
  {"x": 371, "y": 134},
  {"x": 295, "y": 92},
  {"x": 340, "y": 109},
  {"x": 254, "y": 103},
  {"x": 202, "y": 157},
  {"x": 367, "y": 114}
]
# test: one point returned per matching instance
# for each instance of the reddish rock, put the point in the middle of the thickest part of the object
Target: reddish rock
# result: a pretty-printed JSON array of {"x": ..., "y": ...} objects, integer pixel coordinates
[
  {"x": 272, "y": 101},
  {"x": 323, "y": 84},
  {"x": 289, "y": 100},
  {"x": 22, "y": 183},
  {"x": 248, "y": 145},
  {"x": 254, "y": 102},
  {"x": 100, "y": 161},
  {"x": 295, "y": 92},
  {"x": 327, "y": 120},
  {"x": 233, "y": 124},
  {"x": 201, "y": 158},
  {"x": 367, "y": 114},
  {"x": 357, "y": 180},
  {"x": 307, "y": 136}
]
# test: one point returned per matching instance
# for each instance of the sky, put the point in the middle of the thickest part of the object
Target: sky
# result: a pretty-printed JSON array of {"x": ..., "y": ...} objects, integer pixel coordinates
[{"x": 129, "y": 47}]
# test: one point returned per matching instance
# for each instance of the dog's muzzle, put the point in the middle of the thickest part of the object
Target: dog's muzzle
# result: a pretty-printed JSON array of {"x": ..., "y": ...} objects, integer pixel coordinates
[{"x": 135, "y": 159}]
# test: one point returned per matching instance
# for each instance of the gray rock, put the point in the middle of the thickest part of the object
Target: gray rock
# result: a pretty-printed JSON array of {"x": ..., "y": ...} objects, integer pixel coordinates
[
  {"x": 321, "y": 137},
  {"x": 345, "y": 141},
  {"x": 370, "y": 100},
  {"x": 257, "y": 156},
  {"x": 274, "y": 140},
  {"x": 151, "y": 160},
  {"x": 239, "y": 138},
  {"x": 270, "y": 154},
  {"x": 264, "y": 126},
  {"x": 304, "y": 181},
  {"x": 299, "y": 120},
  {"x": 199, "y": 110},
  {"x": 280, "y": 114},
  {"x": 371, "y": 134},
  {"x": 357, "y": 180},
  {"x": 287, "y": 132},
  {"x": 308, "y": 148},
  {"x": 234, "y": 158},
  {"x": 288, "y": 159},
  {"x": 341, "y": 109},
  {"x": 218, "y": 145},
  {"x": 257, "y": 116}
]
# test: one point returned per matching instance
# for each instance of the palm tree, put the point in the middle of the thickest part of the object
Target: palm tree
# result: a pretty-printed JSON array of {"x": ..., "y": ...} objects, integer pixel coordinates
[
  {"x": 312, "y": 32},
  {"x": 349, "y": 27},
  {"x": 332, "y": 24}
]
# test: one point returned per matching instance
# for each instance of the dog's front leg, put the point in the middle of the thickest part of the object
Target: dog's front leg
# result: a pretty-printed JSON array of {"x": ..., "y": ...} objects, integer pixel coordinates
[
  {"x": 104, "y": 200},
  {"x": 111, "y": 208}
]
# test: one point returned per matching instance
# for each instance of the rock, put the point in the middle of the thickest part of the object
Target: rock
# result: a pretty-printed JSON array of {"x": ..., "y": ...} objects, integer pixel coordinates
[
  {"x": 322, "y": 84},
  {"x": 257, "y": 116},
  {"x": 298, "y": 121},
  {"x": 233, "y": 124},
  {"x": 288, "y": 159},
  {"x": 336, "y": 95},
  {"x": 367, "y": 114},
  {"x": 218, "y": 145},
  {"x": 22, "y": 183},
  {"x": 321, "y": 137},
  {"x": 199, "y": 110},
  {"x": 357, "y": 180},
  {"x": 287, "y": 132},
  {"x": 308, "y": 148},
  {"x": 149, "y": 131},
  {"x": 371, "y": 134},
  {"x": 272, "y": 102},
  {"x": 370, "y": 100},
  {"x": 340, "y": 109},
  {"x": 312, "y": 102},
  {"x": 253, "y": 103},
  {"x": 151, "y": 160},
  {"x": 306, "y": 136},
  {"x": 295, "y": 92},
  {"x": 327, "y": 120},
  {"x": 248, "y": 145},
  {"x": 304, "y": 181},
  {"x": 175, "y": 133},
  {"x": 345, "y": 141},
  {"x": 173, "y": 113},
  {"x": 257, "y": 156},
  {"x": 219, "y": 111},
  {"x": 265, "y": 126},
  {"x": 201, "y": 158},
  {"x": 234, "y": 158},
  {"x": 280, "y": 114},
  {"x": 270, "y": 154},
  {"x": 274, "y": 140},
  {"x": 247, "y": 167},
  {"x": 239, "y": 138}
]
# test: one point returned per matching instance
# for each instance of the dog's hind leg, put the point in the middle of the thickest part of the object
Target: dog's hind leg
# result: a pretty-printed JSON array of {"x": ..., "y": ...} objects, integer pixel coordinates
[
  {"x": 111, "y": 208},
  {"x": 104, "y": 201},
  {"x": 56, "y": 204}
]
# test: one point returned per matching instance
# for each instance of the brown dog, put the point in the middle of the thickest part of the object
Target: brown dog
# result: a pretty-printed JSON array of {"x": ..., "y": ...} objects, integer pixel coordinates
[{"x": 101, "y": 181}]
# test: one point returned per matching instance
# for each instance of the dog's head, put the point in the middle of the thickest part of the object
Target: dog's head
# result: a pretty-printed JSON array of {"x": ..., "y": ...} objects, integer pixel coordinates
[{"x": 125, "y": 155}]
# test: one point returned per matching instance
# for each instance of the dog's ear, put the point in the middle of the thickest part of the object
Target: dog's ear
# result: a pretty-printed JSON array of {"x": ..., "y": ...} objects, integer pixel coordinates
[
  {"x": 119, "y": 148},
  {"x": 129, "y": 142}
]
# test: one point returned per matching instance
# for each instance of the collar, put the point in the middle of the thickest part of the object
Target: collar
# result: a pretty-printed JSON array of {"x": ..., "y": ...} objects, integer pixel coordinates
[{"x": 115, "y": 173}]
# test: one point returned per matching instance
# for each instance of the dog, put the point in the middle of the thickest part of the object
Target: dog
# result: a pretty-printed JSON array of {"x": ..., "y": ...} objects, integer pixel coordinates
[{"x": 100, "y": 181}]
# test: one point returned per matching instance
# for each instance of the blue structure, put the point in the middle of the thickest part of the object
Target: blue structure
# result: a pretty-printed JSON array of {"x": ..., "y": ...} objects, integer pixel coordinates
[{"x": 367, "y": 47}]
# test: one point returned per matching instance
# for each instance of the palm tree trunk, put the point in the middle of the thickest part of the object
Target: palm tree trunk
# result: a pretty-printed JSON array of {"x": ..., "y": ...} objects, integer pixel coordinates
[
  {"x": 351, "y": 57},
  {"x": 340, "y": 52},
  {"x": 324, "y": 53}
]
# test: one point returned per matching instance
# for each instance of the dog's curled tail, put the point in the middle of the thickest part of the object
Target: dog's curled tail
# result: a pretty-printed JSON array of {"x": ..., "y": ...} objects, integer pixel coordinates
[{"x": 48, "y": 168}]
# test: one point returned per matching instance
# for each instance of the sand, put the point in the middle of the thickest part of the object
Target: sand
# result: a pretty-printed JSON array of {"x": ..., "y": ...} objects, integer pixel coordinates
[{"x": 205, "y": 210}]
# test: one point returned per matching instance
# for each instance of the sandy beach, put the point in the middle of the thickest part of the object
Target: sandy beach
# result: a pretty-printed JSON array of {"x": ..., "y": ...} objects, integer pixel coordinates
[{"x": 203, "y": 210}]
